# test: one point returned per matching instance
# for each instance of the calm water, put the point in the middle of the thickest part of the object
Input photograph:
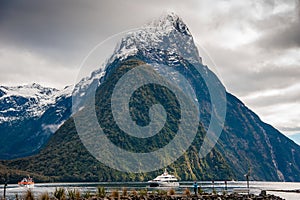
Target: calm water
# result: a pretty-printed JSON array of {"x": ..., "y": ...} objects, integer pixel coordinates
[{"x": 255, "y": 187}]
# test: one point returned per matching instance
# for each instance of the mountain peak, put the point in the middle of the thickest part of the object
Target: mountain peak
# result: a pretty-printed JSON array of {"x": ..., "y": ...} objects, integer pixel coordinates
[
  {"x": 170, "y": 21},
  {"x": 167, "y": 36},
  {"x": 172, "y": 16}
]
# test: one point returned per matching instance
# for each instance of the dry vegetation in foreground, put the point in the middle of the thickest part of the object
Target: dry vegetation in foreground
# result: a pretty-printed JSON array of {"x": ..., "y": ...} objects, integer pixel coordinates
[{"x": 143, "y": 194}]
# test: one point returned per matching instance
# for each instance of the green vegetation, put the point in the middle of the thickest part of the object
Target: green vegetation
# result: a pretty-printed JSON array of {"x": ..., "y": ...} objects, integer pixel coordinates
[
  {"x": 65, "y": 158},
  {"x": 73, "y": 194},
  {"x": 101, "y": 191},
  {"x": 143, "y": 192},
  {"x": 59, "y": 193},
  {"x": 162, "y": 192},
  {"x": 200, "y": 191},
  {"x": 87, "y": 195}
]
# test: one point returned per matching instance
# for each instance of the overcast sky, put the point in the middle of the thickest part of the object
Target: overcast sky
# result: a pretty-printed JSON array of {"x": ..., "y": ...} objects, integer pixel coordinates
[{"x": 255, "y": 45}]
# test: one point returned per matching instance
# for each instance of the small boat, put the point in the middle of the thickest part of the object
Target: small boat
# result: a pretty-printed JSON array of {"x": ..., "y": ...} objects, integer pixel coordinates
[
  {"x": 164, "y": 180},
  {"x": 26, "y": 182}
]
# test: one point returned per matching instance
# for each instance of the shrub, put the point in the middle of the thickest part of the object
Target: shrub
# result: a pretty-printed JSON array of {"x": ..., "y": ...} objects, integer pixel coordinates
[
  {"x": 77, "y": 194},
  {"x": 161, "y": 192},
  {"x": 187, "y": 192},
  {"x": 134, "y": 193},
  {"x": 124, "y": 191},
  {"x": 44, "y": 196},
  {"x": 214, "y": 191},
  {"x": 115, "y": 194},
  {"x": 200, "y": 191},
  {"x": 171, "y": 191},
  {"x": 143, "y": 192},
  {"x": 29, "y": 195},
  {"x": 101, "y": 191},
  {"x": 87, "y": 195},
  {"x": 59, "y": 193},
  {"x": 72, "y": 194}
]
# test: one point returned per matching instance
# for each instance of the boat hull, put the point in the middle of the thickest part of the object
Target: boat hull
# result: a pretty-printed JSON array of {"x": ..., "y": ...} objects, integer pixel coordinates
[
  {"x": 26, "y": 184},
  {"x": 164, "y": 184}
]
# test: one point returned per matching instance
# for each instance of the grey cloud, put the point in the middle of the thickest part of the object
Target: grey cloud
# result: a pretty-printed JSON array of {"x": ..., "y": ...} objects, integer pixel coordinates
[
  {"x": 273, "y": 77},
  {"x": 66, "y": 30},
  {"x": 287, "y": 37},
  {"x": 274, "y": 100},
  {"x": 63, "y": 32},
  {"x": 244, "y": 72},
  {"x": 281, "y": 31},
  {"x": 291, "y": 129}
]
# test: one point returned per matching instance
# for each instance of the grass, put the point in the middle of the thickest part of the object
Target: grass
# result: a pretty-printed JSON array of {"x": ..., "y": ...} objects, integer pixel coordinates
[
  {"x": 59, "y": 193},
  {"x": 77, "y": 194},
  {"x": 171, "y": 192},
  {"x": 101, "y": 192},
  {"x": 29, "y": 195},
  {"x": 115, "y": 194},
  {"x": 124, "y": 192},
  {"x": 187, "y": 192},
  {"x": 73, "y": 194},
  {"x": 87, "y": 195},
  {"x": 162, "y": 192},
  {"x": 200, "y": 191},
  {"x": 134, "y": 193},
  {"x": 44, "y": 196},
  {"x": 214, "y": 191},
  {"x": 143, "y": 192}
]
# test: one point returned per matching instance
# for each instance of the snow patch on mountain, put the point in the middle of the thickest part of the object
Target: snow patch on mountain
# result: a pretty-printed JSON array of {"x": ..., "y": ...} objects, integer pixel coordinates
[
  {"x": 164, "y": 39},
  {"x": 28, "y": 101},
  {"x": 85, "y": 88}
]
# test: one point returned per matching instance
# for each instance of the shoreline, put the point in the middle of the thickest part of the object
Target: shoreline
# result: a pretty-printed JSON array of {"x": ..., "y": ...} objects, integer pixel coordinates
[
  {"x": 138, "y": 190},
  {"x": 101, "y": 193},
  {"x": 289, "y": 191}
]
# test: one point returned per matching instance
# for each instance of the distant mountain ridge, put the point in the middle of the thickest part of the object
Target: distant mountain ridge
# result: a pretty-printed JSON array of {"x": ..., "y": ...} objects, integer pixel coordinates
[
  {"x": 29, "y": 115},
  {"x": 245, "y": 143},
  {"x": 20, "y": 102}
]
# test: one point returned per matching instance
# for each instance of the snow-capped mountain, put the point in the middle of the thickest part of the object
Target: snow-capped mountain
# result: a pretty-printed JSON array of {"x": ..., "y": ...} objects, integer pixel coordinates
[
  {"x": 84, "y": 89},
  {"x": 29, "y": 115},
  {"x": 246, "y": 142},
  {"x": 158, "y": 41},
  {"x": 27, "y": 101},
  {"x": 166, "y": 37}
]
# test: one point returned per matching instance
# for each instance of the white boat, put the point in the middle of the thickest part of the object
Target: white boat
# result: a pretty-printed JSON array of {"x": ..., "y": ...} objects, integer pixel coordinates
[{"x": 164, "y": 180}]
